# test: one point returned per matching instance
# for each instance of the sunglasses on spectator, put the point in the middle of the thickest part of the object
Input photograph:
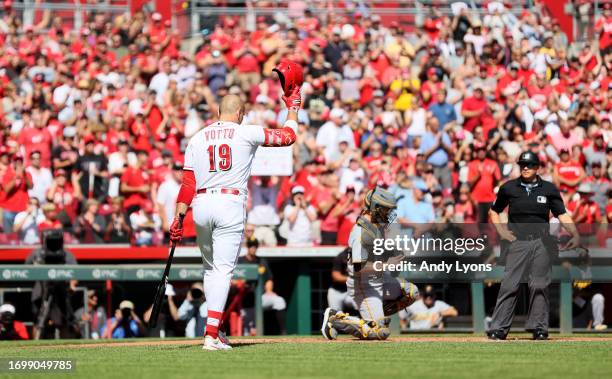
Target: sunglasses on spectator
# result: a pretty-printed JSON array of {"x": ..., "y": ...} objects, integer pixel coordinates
[{"x": 531, "y": 166}]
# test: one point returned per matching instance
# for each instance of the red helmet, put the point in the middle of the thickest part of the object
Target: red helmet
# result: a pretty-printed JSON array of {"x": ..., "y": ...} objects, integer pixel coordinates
[{"x": 291, "y": 75}]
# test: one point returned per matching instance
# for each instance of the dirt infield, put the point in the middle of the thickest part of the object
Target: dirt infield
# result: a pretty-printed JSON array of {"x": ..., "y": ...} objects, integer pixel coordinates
[{"x": 243, "y": 341}]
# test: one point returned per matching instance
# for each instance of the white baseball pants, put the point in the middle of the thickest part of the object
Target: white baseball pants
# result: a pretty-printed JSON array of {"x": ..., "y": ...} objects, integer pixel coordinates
[{"x": 219, "y": 220}]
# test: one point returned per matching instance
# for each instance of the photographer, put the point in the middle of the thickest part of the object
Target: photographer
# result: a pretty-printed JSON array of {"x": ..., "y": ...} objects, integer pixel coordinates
[
  {"x": 51, "y": 300},
  {"x": 26, "y": 223},
  {"x": 298, "y": 219},
  {"x": 9, "y": 328},
  {"x": 91, "y": 315},
  {"x": 193, "y": 310},
  {"x": 125, "y": 324},
  {"x": 168, "y": 315}
]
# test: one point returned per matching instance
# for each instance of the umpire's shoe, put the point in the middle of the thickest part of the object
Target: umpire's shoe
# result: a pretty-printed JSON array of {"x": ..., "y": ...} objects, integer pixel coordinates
[
  {"x": 496, "y": 335},
  {"x": 327, "y": 329},
  {"x": 540, "y": 335}
]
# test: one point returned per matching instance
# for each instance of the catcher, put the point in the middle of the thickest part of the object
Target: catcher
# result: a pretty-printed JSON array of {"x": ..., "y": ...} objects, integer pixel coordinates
[{"x": 376, "y": 293}]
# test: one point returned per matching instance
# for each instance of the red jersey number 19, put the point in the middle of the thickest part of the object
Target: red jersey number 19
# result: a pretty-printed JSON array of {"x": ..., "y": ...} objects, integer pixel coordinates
[{"x": 224, "y": 154}]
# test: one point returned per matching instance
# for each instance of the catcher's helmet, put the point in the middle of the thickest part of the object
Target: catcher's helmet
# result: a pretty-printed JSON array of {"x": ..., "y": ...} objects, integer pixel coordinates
[
  {"x": 528, "y": 158},
  {"x": 380, "y": 203},
  {"x": 291, "y": 75}
]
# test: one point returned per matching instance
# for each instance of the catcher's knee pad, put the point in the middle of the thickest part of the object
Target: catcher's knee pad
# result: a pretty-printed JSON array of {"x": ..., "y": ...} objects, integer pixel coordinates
[{"x": 410, "y": 292}]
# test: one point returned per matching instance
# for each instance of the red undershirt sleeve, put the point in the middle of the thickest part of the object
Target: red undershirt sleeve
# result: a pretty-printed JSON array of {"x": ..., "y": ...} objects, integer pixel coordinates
[{"x": 187, "y": 191}]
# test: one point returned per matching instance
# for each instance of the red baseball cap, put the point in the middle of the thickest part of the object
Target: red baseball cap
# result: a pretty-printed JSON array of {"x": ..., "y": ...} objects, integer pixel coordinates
[
  {"x": 59, "y": 172},
  {"x": 89, "y": 139}
]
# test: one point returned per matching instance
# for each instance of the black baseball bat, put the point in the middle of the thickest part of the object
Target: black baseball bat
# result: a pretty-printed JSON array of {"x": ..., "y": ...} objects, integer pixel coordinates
[{"x": 161, "y": 287}]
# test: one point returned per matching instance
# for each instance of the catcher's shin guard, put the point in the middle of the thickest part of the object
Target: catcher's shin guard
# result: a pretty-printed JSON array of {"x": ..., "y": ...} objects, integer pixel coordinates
[
  {"x": 360, "y": 328},
  {"x": 410, "y": 293}
]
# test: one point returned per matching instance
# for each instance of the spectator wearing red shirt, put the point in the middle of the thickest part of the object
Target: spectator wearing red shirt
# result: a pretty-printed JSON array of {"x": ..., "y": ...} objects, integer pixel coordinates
[
  {"x": 431, "y": 87},
  {"x": 65, "y": 195},
  {"x": 568, "y": 173},
  {"x": 509, "y": 84},
  {"x": 483, "y": 175},
  {"x": 247, "y": 66},
  {"x": 36, "y": 138},
  {"x": 135, "y": 185},
  {"x": 51, "y": 220},
  {"x": 525, "y": 72},
  {"x": 142, "y": 133},
  {"x": 326, "y": 199},
  {"x": 157, "y": 31},
  {"x": 603, "y": 27},
  {"x": 475, "y": 111},
  {"x": 465, "y": 209},
  {"x": 16, "y": 182},
  {"x": 587, "y": 212},
  {"x": 349, "y": 217}
]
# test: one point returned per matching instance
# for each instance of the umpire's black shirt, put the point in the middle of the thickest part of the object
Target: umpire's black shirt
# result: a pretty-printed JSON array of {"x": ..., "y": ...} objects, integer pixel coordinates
[{"x": 529, "y": 204}]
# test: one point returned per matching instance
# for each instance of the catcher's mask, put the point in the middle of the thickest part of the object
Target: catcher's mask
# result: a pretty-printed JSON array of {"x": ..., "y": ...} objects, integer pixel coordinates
[
  {"x": 291, "y": 75},
  {"x": 381, "y": 205}
]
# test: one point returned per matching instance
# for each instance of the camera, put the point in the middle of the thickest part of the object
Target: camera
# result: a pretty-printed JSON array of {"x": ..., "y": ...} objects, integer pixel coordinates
[
  {"x": 126, "y": 313},
  {"x": 7, "y": 319},
  {"x": 53, "y": 247},
  {"x": 196, "y": 293}
]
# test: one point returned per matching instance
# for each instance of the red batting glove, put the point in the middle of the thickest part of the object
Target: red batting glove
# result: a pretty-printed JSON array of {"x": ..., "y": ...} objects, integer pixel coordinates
[
  {"x": 176, "y": 231},
  {"x": 293, "y": 101}
]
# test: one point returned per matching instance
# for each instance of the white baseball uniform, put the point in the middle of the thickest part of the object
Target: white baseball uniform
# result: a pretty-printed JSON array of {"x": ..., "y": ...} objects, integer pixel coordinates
[{"x": 220, "y": 157}]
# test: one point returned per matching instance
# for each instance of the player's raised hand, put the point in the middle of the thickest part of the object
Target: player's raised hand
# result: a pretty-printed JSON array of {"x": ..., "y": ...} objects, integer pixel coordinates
[{"x": 293, "y": 100}]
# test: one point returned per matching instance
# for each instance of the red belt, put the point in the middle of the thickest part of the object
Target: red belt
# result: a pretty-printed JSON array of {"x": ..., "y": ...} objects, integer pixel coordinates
[{"x": 229, "y": 191}]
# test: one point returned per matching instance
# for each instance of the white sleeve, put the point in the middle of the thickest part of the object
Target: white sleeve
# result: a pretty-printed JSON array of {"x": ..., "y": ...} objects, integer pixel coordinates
[
  {"x": 189, "y": 157},
  {"x": 291, "y": 124},
  {"x": 254, "y": 134},
  {"x": 161, "y": 194},
  {"x": 441, "y": 306}
]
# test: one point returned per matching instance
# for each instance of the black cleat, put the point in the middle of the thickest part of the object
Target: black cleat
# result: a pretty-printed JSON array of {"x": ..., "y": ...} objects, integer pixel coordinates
[
  {"x": 327, "y": 330},
  {"x": 540, "y": 335},
  {"x": 496, "y": 335}
]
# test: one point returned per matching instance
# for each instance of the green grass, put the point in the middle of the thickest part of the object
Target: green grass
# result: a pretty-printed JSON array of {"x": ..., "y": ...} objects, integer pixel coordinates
[{"x": 494, "y": 360}]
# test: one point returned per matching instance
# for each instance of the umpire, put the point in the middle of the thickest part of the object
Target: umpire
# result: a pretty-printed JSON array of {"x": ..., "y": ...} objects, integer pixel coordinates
[{"x": 530, "y": 200}]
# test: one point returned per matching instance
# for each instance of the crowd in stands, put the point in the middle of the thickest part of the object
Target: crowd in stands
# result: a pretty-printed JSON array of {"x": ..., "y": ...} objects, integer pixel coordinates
[{"x": 93, "y": 122}]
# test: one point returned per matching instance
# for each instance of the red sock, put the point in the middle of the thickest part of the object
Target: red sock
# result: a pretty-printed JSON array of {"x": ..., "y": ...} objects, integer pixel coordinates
[{"x": 212, "y": 323}]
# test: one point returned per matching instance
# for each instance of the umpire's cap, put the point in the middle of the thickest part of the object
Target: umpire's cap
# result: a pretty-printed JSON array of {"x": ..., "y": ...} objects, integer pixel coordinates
[{"x": 528, "y": 158}]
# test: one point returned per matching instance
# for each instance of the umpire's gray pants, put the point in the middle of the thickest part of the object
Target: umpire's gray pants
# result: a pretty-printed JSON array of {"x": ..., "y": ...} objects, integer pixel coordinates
[{"x": 524, "y": 257}]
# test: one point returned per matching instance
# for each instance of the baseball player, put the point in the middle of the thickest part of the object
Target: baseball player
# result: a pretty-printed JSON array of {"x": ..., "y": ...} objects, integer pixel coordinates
[
  {"x": 376, "y": 293},
  {"x": 217, "y": 168}
]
